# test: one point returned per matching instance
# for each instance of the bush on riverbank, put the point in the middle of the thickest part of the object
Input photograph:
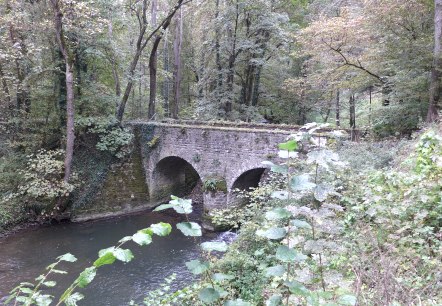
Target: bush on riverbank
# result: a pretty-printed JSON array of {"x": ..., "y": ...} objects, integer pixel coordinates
[{"x": 388, "y": 250}]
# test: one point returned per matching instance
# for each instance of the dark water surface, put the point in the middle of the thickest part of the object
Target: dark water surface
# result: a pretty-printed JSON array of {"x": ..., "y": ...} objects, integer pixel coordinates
[{"x": 24, "y": 256}]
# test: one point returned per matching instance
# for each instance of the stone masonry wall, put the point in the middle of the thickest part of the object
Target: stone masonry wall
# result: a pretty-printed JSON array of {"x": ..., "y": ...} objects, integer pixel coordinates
[{"x": 212, "y": 151}]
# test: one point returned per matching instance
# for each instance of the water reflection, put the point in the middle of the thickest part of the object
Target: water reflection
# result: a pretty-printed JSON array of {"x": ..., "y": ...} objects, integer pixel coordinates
[{"x": 24, "y": 256}]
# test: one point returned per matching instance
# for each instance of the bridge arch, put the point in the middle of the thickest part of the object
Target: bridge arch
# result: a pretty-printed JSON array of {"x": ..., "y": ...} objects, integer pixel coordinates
[
  {"x": 245, "y": 181},
  {"x": 173, "y": 175}
]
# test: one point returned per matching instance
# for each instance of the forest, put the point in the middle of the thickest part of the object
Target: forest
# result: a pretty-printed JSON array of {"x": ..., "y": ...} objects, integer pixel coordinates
[{"x": 352, "y": 215}]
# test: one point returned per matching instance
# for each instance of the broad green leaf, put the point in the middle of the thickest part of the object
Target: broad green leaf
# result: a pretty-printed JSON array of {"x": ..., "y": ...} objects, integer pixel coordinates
[
  {"x": 219, "y": 277},
  {"x": 347, "y": 300},
  {"x": 280, "y": 194},
  {"x": 147, "y": 231},
  {"x": 73, "y": 299},
  {"x": 43, "y": 300},
  {"x": 107, "y": 259},
  {"x": 300, "y": 224},
  {"x": 124, "y": 255},
  {"x": 184, "y": 207},
  {"x": 290, "y": 145},
  {"x": 104, "y": 251},
  {"x": 189, "y": 228},
  {"x": 40, "y": 277},
  {"x": 214, "y": 246},
  {"x": 322, "y": 191},
  {"x": 197, "y": 267},
  {"x": 125, "y": 239},
  {"x": 25, "y": 300},
  {"x": 297, "y": 288},
  {"x": 277, "y": 214},
  {"x": 301, "y": 183},
  {"x": 67, "y": 257},
  {"x": 322, "y": 158},
  {"x": 142, "y": 238},
  {"x": 86, "y": 277},
  {"x": 274, "y": 233},
  {"x": 283, "y": 169},
  {"x": 275, "y": 300},
  {"x": 27, "y": 290},
  {"x": 286, "y": 254},
  {"x": 237, "y": 302},
  {"x": 209, "y": 295},
  {"x": 163, "y": 207},
  {"x": 161, "y": 229},
  {"x": 278, "y": 270},
  {"x": 181, "y": 206},
  {"x": 50, "y": 284}
]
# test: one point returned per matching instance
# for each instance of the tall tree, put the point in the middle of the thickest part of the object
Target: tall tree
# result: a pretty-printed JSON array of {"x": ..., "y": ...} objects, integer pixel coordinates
[
  {"x": 436, "y": 69},
  {"x": 177, "y": 48},
  {"x": 153, "y": 63},
  {"x": 69, "y": 71}
]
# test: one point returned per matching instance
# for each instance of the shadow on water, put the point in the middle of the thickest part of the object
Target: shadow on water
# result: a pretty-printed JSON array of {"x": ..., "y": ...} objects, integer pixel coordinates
[{"x": 25, "y": 255}]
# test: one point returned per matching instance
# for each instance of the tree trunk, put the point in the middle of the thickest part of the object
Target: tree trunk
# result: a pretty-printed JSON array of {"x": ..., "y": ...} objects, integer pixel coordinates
[
  {"x": 114, "y": 63},
  {"x": 166, "y": 86},
  {"x": 338, "y": 110},
  {"x": 370, "y": 106},
  {"x": 352, "y": 103},
  {"x": 231, "y": 64},
  {"x": 177, "y": 47},
  {"x": 70, "y": 135},
  {"x": 219, "y": 67},
  {"x": 255, "y": 94},
  {"x": 435, "y": 86},
  {"x": 153, "y": 65}
]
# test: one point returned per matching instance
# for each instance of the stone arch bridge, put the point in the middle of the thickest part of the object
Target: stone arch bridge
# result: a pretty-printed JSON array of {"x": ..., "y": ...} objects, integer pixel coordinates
[{"x": 176, "y": 155}]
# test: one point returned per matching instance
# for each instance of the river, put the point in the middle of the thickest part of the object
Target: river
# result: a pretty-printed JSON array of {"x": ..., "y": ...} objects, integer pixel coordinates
[{"x": 24, "y": 256}]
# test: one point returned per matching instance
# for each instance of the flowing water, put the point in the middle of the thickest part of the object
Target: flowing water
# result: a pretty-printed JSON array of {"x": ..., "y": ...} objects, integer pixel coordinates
[{"x": 24, "y": 256}]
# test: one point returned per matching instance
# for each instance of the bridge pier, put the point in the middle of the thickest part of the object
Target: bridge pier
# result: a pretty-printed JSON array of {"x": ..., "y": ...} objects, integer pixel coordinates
[{"x": 214, "y": 200}]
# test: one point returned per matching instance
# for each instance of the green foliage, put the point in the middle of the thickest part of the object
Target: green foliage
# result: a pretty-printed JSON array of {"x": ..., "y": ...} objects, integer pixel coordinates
[
  {"x": 153, "y": 142},
  {"x": 112, "y": 137},
  {"x": 42, "y": 181},
  {"x": 215, "y": 184},
  {"x": 394, "y": 225}
]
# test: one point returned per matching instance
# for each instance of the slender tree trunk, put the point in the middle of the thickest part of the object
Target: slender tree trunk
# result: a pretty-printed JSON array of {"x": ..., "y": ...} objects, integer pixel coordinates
[
  {"x": 153, "y": 64},
  {"x": 219, "y": 67},
  {"x": 255, "y": 94},
  {"x": 338, "y": 110},
  {"x": 436, "y": 71},
  {"x": 178, "y": 67},
  {"x": 370, "y": 106},
  {"x": 113, "y": 62},
  {"x": 70, "y": 135},
  {"x": 166, "y": 87},
  {"x": 352, "y": 103},
  {"x": 231, "y": 63}
]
